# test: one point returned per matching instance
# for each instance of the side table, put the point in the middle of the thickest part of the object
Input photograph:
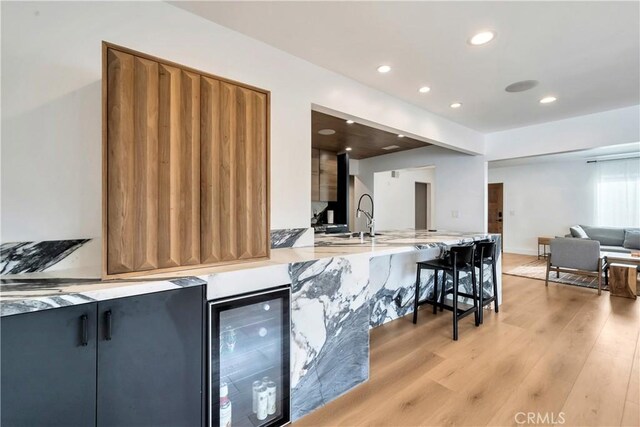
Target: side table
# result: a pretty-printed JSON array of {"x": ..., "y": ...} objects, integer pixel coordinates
[{"x": 544, "y": 242}]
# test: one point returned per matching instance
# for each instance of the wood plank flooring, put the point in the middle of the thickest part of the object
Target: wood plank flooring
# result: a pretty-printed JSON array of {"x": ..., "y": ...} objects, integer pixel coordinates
[{"x": 561, "y": 352}]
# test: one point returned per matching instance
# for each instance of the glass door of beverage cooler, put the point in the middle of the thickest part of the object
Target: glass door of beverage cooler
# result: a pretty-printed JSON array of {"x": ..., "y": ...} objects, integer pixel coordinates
[{"x": 249, "y": 360}]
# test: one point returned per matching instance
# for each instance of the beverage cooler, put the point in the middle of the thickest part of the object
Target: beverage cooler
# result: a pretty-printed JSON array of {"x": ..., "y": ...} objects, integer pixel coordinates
[{"x": 249, "y": 360}]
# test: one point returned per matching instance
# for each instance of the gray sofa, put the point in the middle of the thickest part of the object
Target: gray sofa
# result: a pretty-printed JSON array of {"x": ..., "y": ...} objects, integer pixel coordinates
[{"x": 612, "y": 239}]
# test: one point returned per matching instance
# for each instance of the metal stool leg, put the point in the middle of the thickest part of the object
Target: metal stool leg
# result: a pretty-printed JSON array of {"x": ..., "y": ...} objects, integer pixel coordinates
[
  {"x": 481, "y": 292},
  {"x": 444, "y": 290},
  {"x": 495, "y": 284},
  {"x": 474, "y": 292},
  {"x": 415, "y": 302},
  {"x": 435, "y": 291},
  {"x": 455, "y": 304}
]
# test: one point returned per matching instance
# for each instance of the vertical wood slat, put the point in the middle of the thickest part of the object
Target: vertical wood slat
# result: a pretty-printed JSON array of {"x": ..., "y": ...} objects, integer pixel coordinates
[
  {"x": 260, "y": 178},
  {"x": 210, "y": 171},
  {"x": 169, "y": 173},
  {"x": 179, "y": 170},
  {"x": 145, "y": 106},
  {"x": 244, "y": 156},
  {"x": 189, "y": 168},
  {"x": 228, "y": 166},
  {"x": 120, "y": 157}
]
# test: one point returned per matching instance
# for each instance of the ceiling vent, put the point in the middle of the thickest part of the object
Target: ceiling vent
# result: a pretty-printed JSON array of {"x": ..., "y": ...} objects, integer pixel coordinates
[{"x": 391, "y": 147}]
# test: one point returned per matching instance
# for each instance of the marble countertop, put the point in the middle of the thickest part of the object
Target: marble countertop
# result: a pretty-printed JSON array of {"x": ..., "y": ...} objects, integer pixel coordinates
[{"x": 40, "y": 291}]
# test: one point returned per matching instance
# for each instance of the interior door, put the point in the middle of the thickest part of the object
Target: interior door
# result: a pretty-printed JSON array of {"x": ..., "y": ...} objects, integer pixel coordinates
[
  {"x": 150, "y": 359},
  {"x": 495, "y": 216}
]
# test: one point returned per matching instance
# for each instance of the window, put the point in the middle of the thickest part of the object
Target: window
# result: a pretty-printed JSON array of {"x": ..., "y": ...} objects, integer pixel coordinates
[{"x": 617, "y": 193}]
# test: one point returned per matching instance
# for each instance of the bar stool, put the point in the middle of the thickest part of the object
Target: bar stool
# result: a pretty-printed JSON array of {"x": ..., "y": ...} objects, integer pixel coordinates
[
  {"x": 460, "y": 259},
  {"x": 485, "y": 253}
]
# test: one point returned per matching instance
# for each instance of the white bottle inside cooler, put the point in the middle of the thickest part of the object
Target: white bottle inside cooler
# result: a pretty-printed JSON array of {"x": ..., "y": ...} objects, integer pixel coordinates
[{"x": 225, "y": 406}]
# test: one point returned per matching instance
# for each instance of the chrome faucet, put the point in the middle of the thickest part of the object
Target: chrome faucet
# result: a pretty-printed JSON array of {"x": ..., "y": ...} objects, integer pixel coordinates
[{"x": 370, "y": 220}]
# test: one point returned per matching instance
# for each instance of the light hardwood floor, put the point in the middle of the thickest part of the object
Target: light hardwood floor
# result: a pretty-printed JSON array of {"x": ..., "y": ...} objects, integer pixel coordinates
[{"x": 560, "y": 352}]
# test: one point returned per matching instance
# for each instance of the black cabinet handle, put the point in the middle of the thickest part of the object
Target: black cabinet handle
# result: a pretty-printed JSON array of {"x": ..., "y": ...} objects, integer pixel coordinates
[
  {"x": 84, "y": 329},
  {"x": 107, "y": 320}
]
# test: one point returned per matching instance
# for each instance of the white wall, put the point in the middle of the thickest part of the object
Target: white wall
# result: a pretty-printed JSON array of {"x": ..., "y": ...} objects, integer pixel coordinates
[
  {"x": 460, "y": 189},
  {"x": 51, "y": 98},
  {"x": 395, "y": 198},
  {"x": 543, "y": 199},
  {"x": 619, "y": 126}
]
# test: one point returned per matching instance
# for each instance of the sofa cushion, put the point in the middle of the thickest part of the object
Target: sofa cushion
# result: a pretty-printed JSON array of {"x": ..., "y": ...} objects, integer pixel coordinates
[
  {"x": 577, "y": 231},
  {"x": 618, "y": 249},
  {"x": 631, "y": 239},
  {"x": 608, "y": 236}
]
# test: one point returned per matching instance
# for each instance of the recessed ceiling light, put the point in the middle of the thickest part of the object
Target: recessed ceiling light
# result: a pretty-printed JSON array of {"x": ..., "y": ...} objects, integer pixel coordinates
[
  {"x": 548, "y": 100},
  {"x": 456, "y": 105},
  {"x": 521, "y": 86},
  {"x": 384, "y": 69},
  {"x": 482, "y": 38},
  {"x": 349, "y": 122},
  {"x": 391, "y": 147},
  {"x": 401, "y": 136},
  {"x": 347, "y": 149},
  {"x": 326, "y": 131},
  {"x": 424, "y": 89}
]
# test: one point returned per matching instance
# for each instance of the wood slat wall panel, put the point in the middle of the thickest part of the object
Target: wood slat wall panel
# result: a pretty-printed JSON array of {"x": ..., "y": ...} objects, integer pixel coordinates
[
  {"x": 145, "y": 106},
  {"x": 190, "y": 168},
  {"x": 186, "y": 177},
  {"x": 210, "y": 173},
  {"x": 120, "y": 151},
  {"x": 228, "y": 125}
]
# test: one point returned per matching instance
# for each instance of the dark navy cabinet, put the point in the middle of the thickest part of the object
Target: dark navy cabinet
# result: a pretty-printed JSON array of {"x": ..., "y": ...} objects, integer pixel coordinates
[
  {"x": 48, "y": 376},
  {"x": 150, "y": 360},
  {"x": 128, "y": 361}
]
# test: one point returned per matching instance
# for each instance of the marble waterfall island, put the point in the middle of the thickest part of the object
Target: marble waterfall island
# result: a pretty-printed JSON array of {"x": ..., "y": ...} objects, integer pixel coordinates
[{"x": 340, "y": 289}]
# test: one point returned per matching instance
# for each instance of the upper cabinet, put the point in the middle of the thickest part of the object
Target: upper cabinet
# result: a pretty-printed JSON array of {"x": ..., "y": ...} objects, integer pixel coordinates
[
  {"x": 328, "y": 176},
  {"x": 186, "y": 166},
  {"x": 315, "y": 174}
]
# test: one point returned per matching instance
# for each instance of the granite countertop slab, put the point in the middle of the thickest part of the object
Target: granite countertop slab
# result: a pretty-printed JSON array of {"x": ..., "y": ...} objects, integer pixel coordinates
[{"x": 23, "y": 293}]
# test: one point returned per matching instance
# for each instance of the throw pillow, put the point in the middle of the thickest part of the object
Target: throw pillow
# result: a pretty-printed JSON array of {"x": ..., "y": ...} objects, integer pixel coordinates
[
  {"x": 631, "y": 239},
  {"x": 577, "y": 231}
]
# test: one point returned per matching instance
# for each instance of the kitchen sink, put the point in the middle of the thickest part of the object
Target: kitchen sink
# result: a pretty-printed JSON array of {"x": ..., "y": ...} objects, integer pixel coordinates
[{"x": 353, "y": 235}]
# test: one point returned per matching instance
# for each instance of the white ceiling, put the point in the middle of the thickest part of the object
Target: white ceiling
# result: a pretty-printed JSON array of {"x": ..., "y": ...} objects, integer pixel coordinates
[
  {"x": 585, "y": 53},
  {"x": 609, "y": 152}
]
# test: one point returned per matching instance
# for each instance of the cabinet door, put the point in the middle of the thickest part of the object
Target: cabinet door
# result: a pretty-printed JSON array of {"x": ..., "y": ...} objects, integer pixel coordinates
[
  {"x": 315, "y": 175},
  {"x": 48, "y": 376},
  {"x": 234, "y": 163},
  {"x": 150, "y": 359},
  {"x": 152, "y": 158},
  {"x": 328, "y": 176}
]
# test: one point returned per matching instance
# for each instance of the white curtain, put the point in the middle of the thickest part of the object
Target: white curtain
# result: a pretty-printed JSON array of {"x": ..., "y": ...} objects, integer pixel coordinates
[{"x": 617, "y": 193}]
